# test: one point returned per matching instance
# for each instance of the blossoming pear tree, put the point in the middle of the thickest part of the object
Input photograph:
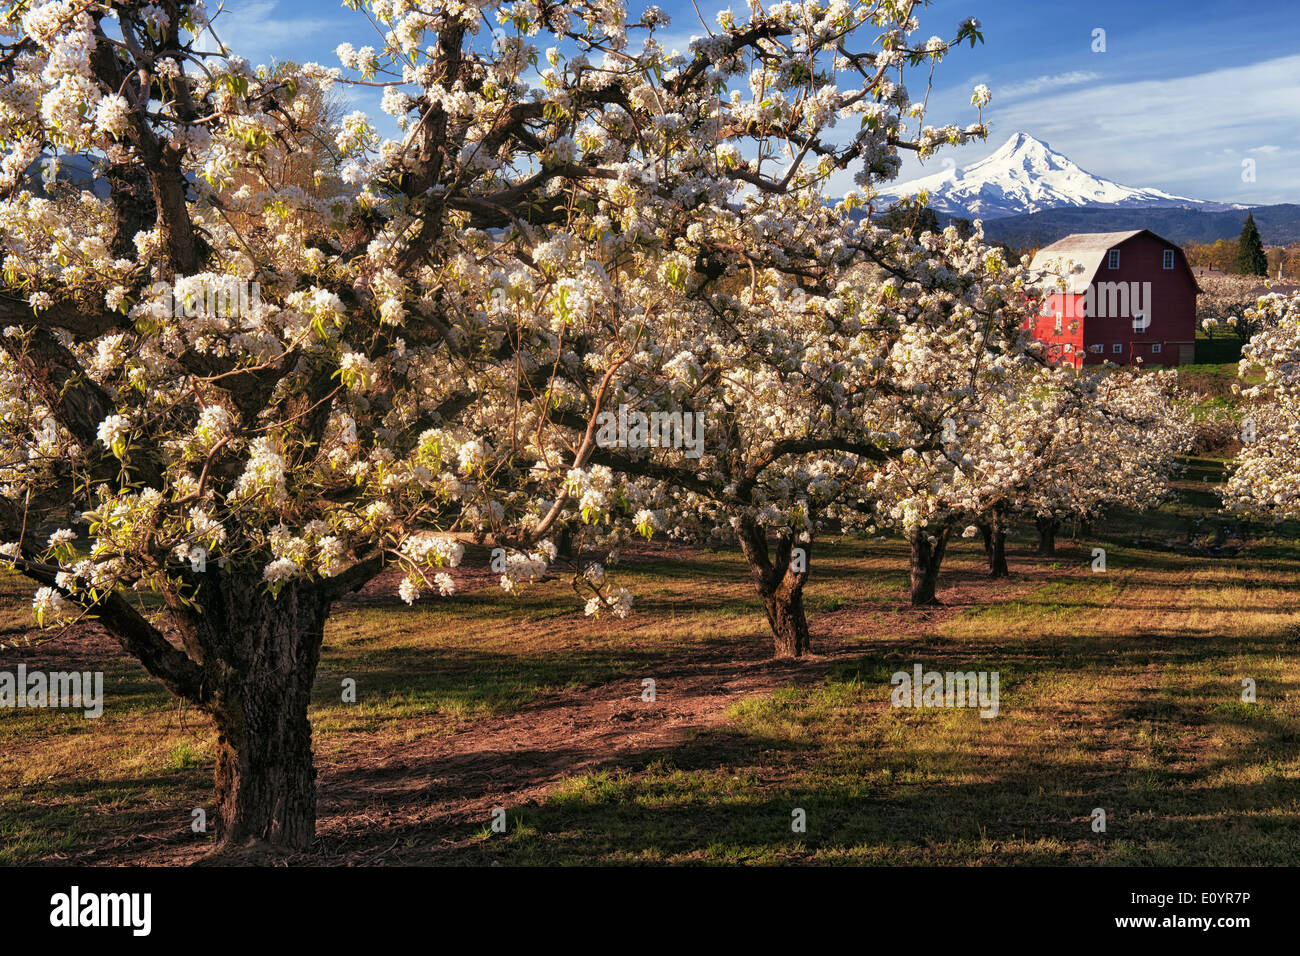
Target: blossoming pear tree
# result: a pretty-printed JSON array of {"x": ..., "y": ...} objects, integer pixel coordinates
[
  {"x": 1121, "y": 448},
  {"x": 1229, "y": 304},
  {"x": 743, "y": 425},
  {"x": 1071, "y": 446},
  {"x": 1263, "y": 482},
  {"x": 1018, "y": 434},
  {"x": 799, "y": 392},
  {"x": 626, "y": 325},
  {"x": 250, "y": 453},
  {"x": 962, "y": 369}
]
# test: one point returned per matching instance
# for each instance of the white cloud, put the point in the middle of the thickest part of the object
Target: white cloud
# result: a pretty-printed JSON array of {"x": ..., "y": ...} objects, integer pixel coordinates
[
  {"x": 1041, "y": 83},
  {"x": 252, "y": 29},
  {"x": 1186, "y": 134}
]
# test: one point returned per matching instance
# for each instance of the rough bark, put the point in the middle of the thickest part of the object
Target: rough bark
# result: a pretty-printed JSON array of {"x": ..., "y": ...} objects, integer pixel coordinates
[
  {"x": 926, "y": 560},
  {"x": 789, "y": 624},
  {"x": 261, "y": 655},
  {"x": 133, "y": 208},
  {"x": 997, "y": 547},
  {"x": 251, "y": 663},
  {"x": 1047, "y": 528},
  {"x": 780, "y": 586},
  {"x": 564, "y": 543}
]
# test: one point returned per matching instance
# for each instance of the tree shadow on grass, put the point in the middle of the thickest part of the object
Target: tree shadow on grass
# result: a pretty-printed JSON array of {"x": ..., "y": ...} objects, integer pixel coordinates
[
  {"x": 1027, "y": 811},
  {"x": 727, "y": 795},
  {"x": 705, "y": 801},
  {"x": 682, "y": 803},
  {"x": 78, "y": 820}
]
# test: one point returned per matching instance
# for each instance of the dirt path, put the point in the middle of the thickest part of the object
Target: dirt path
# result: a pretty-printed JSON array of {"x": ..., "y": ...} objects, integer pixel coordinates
[
  {"x": 422, "y": 802},
  {"x": 441, "y": 784}
]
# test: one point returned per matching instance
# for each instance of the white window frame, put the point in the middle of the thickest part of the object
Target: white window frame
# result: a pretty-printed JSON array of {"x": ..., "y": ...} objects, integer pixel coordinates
[
  {"x": 1168, "y": 261},
  {"x": 1117, "y": 348},
  {"x": 1156, "y": 348},
  {"x": 1068, "y": 349},
  {"x": 1097, "y": 349},
  {"x": 1112, "y": 259}
]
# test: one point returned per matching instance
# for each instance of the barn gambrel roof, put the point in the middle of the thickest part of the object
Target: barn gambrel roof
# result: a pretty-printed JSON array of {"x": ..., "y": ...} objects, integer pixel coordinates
[{"x": 1076, "y": 258}]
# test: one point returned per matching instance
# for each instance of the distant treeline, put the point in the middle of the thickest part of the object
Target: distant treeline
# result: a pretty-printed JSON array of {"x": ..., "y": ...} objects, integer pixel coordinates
[
  {"x": 1224, "y": 255},
  {"x": 1279, "y": 225}
]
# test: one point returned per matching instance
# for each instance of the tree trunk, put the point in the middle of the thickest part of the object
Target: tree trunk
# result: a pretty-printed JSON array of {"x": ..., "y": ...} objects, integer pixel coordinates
[
  {"x": 780, "y": 580},
  {"x": 564, "y": 543},
  {"x": 998, "y": 547},
  {"x": 789, "y": 625},
  {"x": 926, "y": 559},
  {"x": 260, "y": 661},
  {"x": 1047, "y": 528}
]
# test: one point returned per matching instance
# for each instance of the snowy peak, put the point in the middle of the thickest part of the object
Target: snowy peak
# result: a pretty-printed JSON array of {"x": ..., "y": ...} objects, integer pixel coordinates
[
  {"x": 1026, "y": 175},
  {"x": 1022, "y": 153},
  {"x": 1022, "y": 146}
]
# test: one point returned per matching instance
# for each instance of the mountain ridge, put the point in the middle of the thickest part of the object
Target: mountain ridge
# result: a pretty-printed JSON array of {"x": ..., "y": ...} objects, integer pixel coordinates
[
  {"x": 1279, "y": 224},
  {"x": 1025, "y": 176}
]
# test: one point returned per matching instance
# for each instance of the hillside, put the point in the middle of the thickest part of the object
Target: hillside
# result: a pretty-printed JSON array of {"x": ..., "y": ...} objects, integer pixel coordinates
[{"x": 1278, "y": 225}]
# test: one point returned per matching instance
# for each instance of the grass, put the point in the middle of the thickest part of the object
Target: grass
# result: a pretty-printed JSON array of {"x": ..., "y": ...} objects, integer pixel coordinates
[
  {"x": 1217, "y": 351},
  {"x": 1215, "y": 379},
  {"x": 1119, "y": 690},
  {"x": 1136, "y": 712}
]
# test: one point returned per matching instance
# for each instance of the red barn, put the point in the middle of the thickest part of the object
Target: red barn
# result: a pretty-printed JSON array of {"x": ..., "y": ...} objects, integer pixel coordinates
[{"x": 1116, "y": 296}]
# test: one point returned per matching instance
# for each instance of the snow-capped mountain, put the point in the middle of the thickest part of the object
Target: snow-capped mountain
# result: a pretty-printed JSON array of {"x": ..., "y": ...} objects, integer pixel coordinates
[{"x": 1026, "y": 175}]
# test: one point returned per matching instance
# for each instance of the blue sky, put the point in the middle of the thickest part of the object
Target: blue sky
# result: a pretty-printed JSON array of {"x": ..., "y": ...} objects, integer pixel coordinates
[{"x": 1182, "y": 95}]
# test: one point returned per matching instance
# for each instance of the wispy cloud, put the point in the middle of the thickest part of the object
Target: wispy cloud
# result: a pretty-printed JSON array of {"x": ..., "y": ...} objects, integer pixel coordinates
[
  {"x": 1186, "y": 134},
  {"x": 262, "y": 31},
  {"x": 1040, "y": 84}
]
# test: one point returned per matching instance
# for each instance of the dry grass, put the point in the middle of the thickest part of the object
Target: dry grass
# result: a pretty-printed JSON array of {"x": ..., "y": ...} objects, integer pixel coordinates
[{"x": 1119, "y": 690}]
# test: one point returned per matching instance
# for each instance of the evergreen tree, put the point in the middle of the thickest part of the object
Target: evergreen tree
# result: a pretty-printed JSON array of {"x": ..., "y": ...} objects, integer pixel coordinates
[
  {"x": 909, "y": 219},
  {"x": 1251, "y": 260}
]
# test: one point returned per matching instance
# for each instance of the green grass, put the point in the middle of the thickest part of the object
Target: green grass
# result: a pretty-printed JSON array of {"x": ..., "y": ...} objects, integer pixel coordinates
[
  {"x": 1119, "y": 690},
  {"x": 1217, "y": 351}
]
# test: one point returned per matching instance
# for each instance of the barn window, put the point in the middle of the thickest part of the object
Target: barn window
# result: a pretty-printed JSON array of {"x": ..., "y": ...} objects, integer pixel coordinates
[
  {"x": 1097, "y": 348},
  {"x": 1068, "y": 348},
  {"x": 1169, "y": 258},
  {"x": 1117, "y": 348},
  {"x": 1113, "y": 261},
  {"x": 1155, "y": 347}
]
